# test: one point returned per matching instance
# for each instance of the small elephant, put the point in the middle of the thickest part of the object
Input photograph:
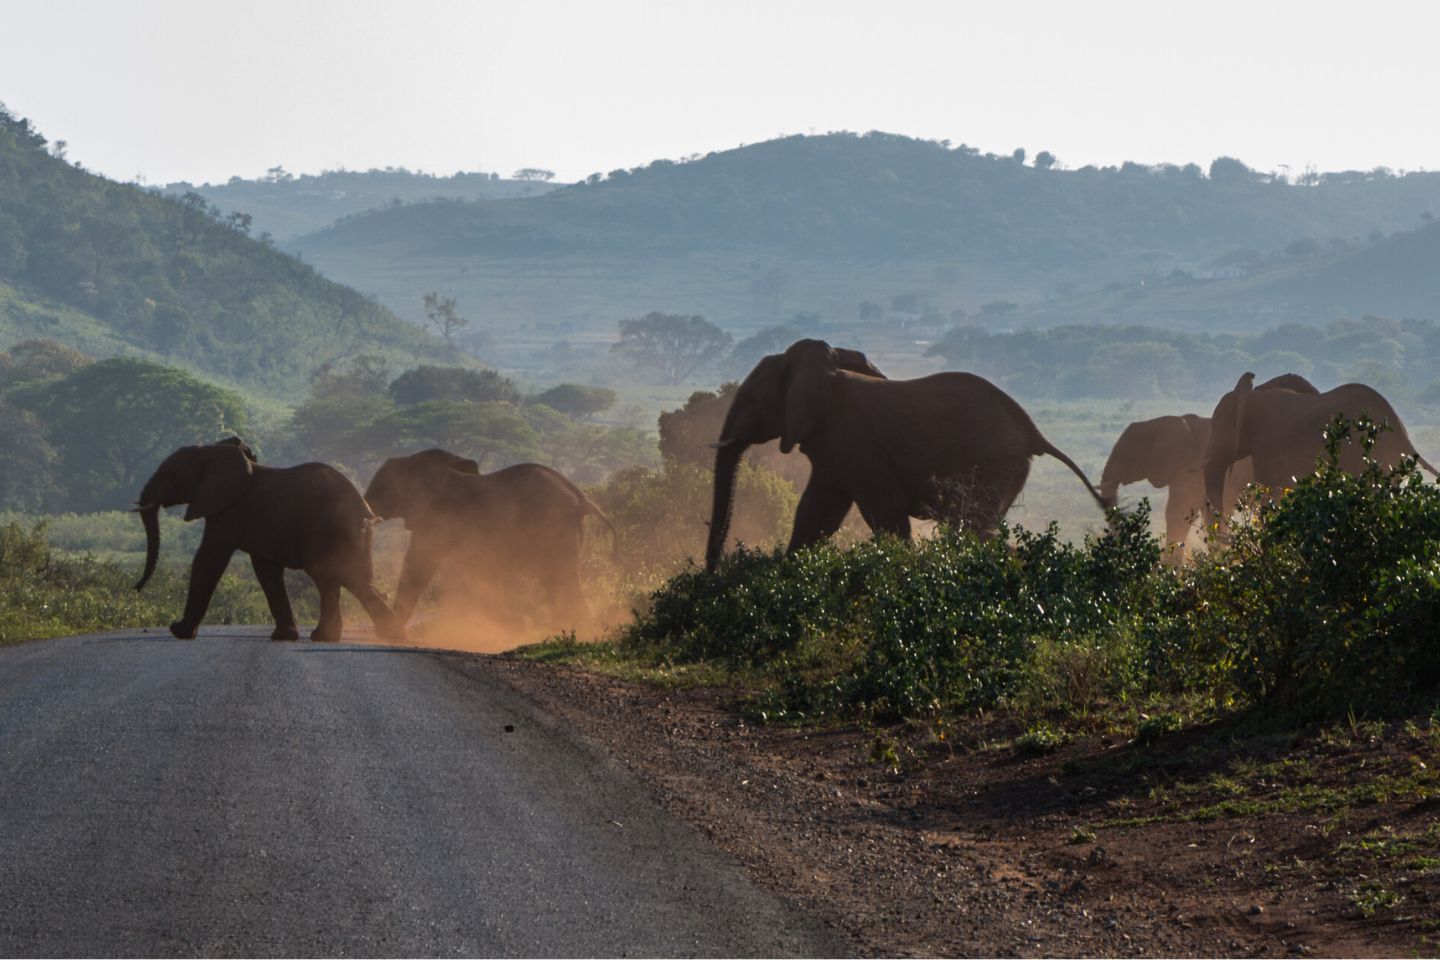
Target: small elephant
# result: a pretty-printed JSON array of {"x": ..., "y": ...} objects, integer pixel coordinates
[
  {"x": 520, "y": 523},
  {"x": 1170, "y": 452},
  {"x": 950, "y": 446},
  {"x": 1283, "y": 431},
  {"x": 307, "y": 517}
]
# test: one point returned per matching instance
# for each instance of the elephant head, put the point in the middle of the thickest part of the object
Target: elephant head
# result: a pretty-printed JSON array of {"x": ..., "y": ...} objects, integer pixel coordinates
[
  {"x": 407, "y": 486},
  {"x": 208, "y": 478},
  {"x": 784, "y": 396},
  {"x": 1157, "y": 451}
]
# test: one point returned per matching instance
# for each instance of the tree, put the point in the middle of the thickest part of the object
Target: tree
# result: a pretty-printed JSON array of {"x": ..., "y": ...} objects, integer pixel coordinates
[
  {"x": 39, "y": 360},
  {"x": 426, "y": 383},
  {"x": 1229, "y": 171},
  {"x": 26, "y": 483},
  {"x": 532, "y": 174},
  {"x": 495, "y": 434},
  {"x": 753, "y": 348},
  {"x": 441, "y": 313},
  {"x": 1018, "y": 156},
  {"x": 114, "y": 420},
  {"x": 674, "y": 345},
  {"x": 576, "y": 400},
  {"x": 1044, "y": 160}
]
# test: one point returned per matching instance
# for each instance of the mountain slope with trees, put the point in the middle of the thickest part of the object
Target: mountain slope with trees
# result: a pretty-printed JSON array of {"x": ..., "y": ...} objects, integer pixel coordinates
[
  {"x": 892, "y": 198},
  {"x": 127, "y": 271}
]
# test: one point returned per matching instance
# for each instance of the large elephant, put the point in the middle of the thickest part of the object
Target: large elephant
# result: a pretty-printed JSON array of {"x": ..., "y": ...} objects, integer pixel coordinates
[
  {"x": 520, "y": 523},
  {"x": 950, "y": 446},
  {"x": 1283, "y": 431},
  {"x": 1170, "y": 452},
  {"x": 307, "y": 517}
]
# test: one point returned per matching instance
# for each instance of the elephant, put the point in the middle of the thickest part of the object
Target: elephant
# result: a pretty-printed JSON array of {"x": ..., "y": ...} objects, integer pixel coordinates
[
  {"x": 306, "y": 517},
  {"x": 524, "y": 521},
  {"x": 950, "y": 446},
  {"x": 1169, "y": 452},
  {"x": 1283, "y": 431}
]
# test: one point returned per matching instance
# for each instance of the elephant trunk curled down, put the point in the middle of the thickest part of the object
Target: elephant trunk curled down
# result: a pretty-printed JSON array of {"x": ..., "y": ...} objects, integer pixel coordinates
[{"x": 727, "y": 465}]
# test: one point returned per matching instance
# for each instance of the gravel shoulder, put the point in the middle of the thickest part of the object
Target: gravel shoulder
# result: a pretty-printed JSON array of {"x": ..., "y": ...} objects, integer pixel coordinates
[{"x": 913, "y": 845}]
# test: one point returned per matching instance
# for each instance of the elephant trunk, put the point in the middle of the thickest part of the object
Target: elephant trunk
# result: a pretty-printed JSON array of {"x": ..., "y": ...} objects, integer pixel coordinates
[
  {"x": 727, "y": 465},
  {"x": 150, "y": 517},
  {"x": 1109, "y": 493}
]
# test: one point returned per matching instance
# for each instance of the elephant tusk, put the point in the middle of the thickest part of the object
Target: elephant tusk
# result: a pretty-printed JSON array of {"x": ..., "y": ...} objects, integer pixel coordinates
[
  {"x": 718, "y": 444},
  {"x": 146, "y": 506}
]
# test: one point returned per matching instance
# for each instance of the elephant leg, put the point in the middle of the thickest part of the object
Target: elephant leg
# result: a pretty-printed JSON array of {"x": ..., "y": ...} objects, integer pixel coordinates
[
  {"x": 415, "y": 575},
  {"x": 568, "y": 608},
  {"x": 821, "y": 510},
  {"x": 387, "y": 624},
  {"x": 272, "y": 580},
  {"x": 1179, "y": 520},
  {"x": 331, "y": 623},
  {"x": 205, "y": 570}
]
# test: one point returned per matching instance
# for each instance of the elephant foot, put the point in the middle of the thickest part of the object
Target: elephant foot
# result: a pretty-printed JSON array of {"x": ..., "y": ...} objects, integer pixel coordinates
[
  {"x": 393, "y": 632},
  {"x": 181, "y": 630},
  {"x": 325, "y": 636},
  {"x": 285, "y": 634}
]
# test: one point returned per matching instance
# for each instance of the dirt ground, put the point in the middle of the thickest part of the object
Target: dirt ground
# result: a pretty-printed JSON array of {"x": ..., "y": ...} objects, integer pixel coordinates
[{"x": 948, "y": 841}]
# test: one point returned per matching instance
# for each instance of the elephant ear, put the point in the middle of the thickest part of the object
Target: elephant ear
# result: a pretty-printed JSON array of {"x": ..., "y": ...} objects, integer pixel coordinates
[
  {"x": 225, "y": 475},
  {"x": 1171, "y": 450},
  {"x": 466, "y": 466},
  {"x": 856, "y": 362},
  {"x": 1229, "y": 432},
  {"x": 810, "y": 371}
]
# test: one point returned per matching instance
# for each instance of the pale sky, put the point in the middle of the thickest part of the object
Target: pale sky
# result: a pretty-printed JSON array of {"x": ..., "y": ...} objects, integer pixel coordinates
[{"x": 196, "y": 90}]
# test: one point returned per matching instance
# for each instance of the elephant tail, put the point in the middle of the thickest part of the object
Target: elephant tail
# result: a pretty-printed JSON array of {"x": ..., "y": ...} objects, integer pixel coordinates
[
  {"x": 589, "y": 508},
  {"x": 1427, "y": 465},
  {"x": 1046, "y": 447}
]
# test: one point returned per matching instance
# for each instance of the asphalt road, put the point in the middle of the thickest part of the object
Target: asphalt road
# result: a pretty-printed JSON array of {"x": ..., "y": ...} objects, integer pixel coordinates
[{"x": 232, "y": 796}]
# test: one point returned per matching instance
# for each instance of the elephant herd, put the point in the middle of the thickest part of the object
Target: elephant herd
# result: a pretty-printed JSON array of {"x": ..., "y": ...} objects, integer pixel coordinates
[
  {"x": 951, "y": 447},
  {"x": 523, "y": 522}
]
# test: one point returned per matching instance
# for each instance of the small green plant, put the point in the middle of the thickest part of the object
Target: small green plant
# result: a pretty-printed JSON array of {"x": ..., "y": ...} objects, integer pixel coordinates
[
  {"x": 1081, "y": 835},
  {"x": 1040, "y": 740},
  {"x": 1152, "y": 728}
]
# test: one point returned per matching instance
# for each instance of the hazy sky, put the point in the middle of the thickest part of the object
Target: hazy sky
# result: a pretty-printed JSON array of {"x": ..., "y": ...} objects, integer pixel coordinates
[{"x": 201, "y": 90}]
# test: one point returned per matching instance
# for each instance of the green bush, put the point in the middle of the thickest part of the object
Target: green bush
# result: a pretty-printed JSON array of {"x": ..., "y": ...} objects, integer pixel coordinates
[
  {"x": 1329, "y": 600},
  {"x": 952, "y": 621}
]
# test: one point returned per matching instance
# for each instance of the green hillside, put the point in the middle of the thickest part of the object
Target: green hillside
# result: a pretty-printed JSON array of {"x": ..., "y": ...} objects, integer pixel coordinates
[
  {"x": 894, "y": 198},
  {"x": 111, "y": 268}
]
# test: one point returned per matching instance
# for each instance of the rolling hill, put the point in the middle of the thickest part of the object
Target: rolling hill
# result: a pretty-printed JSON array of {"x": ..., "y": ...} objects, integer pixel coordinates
[
  {"x": 820, "y": 226},
  {"x": 111, "y": 269}
]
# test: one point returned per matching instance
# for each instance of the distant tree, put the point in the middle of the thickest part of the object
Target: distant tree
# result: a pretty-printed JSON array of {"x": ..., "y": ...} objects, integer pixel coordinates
[
  {"x": 278, "y": 174},
  {"x": 533, "y": 173},
  {"x": 426, "y": 383},
  {"x": 495, "y": 434},
  {"x": 753, "y": 348},
  {"x": 440, "y": 311},
  {"x": 1229, "y": 171},
  {"x": 576, "y": 400},
  {"x": 113, "y": 421},
  {"x": 1019, "y": 155},
  {"x": 239, "y": 221},
  {"x": 674, "y": 345},
  {"x": 1044, "y": 160},
  {"x": 58, "y": 148},
  {"x": 39, "y": 360},
  {"x": 26, "y": 483}
]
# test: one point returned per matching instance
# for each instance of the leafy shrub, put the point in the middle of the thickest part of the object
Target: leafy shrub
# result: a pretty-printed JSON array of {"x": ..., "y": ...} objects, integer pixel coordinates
[
  {"x": 905, "y": 628},
  {"x": 1329, "y": 600}
]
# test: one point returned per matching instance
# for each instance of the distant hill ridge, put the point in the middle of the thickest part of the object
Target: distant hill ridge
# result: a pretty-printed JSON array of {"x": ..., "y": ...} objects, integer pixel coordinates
[
  {"x": 887, "y": 197},
  {"x": 286, "y": 206},
  {"x": 131, "y": 271}
]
